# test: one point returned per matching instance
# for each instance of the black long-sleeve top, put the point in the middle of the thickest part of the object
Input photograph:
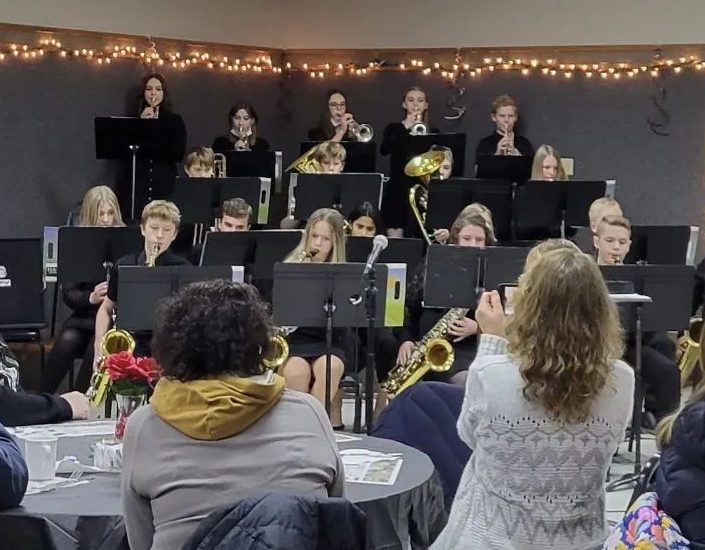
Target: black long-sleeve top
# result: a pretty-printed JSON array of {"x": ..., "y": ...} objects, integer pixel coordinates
[
  {"x": 488, "y": 145},
  {"x": 76, "y": 296},
  {"x": 320, "y": 134}
]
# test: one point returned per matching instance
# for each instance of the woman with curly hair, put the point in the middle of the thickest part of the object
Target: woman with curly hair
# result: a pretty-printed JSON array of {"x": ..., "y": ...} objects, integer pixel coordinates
[
  {"x": 546, "y": 405},
  {"x": 218, "y": 428}
]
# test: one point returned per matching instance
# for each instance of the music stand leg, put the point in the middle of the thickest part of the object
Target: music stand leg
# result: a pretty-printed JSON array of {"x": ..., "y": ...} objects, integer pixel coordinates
[
  {"x": 329, "y": 308},
  {"x": 371, "y": 311},
  {"x": 629, "y": 480},
  {"x": 133, "y": 149}
]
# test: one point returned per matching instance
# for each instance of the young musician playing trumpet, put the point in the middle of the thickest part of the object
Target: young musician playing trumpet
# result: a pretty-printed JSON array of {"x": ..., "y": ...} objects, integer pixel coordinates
[
  {"x": 99, "y": 209},
  {"x": 243, "y": 134},
  {"x": 547, "y": 165},
  {"x": 200, "y": 162},
  {"x": 155, "y": 176},
  {"x": 395, "y": 209},
  {"x": 504, "y": 140},
  {"x": 159, "y": 226},
  {"x": 305, "y": 370},
  {"x": 335, "y": 124}
]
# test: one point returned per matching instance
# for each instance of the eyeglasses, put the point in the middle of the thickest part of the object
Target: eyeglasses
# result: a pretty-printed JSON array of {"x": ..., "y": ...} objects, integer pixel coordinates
[{"x": 336, "y": 104}]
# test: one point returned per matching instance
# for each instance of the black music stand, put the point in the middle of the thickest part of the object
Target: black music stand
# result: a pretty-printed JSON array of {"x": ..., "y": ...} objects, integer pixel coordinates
[
  {"x": 141, "y": 288},
  {"x": 265, "y": 164},
  {"x": 544, "y": 209},
  {"x": 453, "y": 276},
  {"x": 398, "y": 251},
  {"x": 503, "y": 265},
  {"x": 87, "y": 253},
  {"x": 514, "y": 168},
  {"x": 328, "y": 295},
  {"x": 118, "y": 138},
  {"x": 448, "y": 197},
  {"x": 359, "y": 156},
  {"x": 309, "y": 192},
  {"x": 659, "y": 244},
  {"x": 669, "y": 290},
  {"x": 199, "y": 199}
]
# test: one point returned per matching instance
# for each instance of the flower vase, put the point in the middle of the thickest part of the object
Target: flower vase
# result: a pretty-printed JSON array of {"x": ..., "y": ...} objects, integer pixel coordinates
[{"x": 126, "y": 405}]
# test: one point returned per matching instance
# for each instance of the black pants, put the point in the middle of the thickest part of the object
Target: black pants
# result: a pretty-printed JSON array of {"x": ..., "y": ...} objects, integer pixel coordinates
[
  {"x": 661, "y": 380},
  {"x": 72, "y": 343}
]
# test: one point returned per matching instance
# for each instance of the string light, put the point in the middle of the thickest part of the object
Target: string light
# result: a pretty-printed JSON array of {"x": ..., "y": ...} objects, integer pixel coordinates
[{"x": 260, "y": 63}]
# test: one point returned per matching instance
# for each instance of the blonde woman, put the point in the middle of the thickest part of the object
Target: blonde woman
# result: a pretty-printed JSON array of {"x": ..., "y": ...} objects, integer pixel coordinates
[
  {"x": 680, "y": 478},
  {"x": 99, "y": 209},
  {"x": 305, "y": 369},
  {"x": 547, "y": 403},
  {"x": 547, "y": 165}
]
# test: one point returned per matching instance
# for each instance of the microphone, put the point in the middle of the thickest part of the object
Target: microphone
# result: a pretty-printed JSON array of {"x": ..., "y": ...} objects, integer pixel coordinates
[{"x": 379, "y": 243}]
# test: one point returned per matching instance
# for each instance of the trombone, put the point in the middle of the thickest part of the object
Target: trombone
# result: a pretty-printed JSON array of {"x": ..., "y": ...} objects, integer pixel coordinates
[{"x": 423, "y": 167}]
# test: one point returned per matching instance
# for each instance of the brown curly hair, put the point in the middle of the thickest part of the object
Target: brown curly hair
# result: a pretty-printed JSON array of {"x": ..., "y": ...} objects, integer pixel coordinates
[{"x": 565, "y": 331}]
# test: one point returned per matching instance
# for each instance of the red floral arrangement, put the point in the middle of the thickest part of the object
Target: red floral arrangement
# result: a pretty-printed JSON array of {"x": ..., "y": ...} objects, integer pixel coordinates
[{"x": 130, "y": 375}]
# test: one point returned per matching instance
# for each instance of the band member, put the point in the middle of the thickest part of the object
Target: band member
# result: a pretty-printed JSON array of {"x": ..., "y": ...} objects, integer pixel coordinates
[
  {"x": 446, "y": 169},
  {"x": 441, "y": 235},
  {"x": 547, "y": 165},
  {"x": 469, "y": 229},
  {"x": 331, "y": 157},
  {"x": 243, "y": 134},
  {"x": 305, "y": 369},
  {"x": 99, "y": 209},
  {"x": 154, "y": 175},
  {"x": 395, "y": 209},
  {"x": 504, "y": 141},
  {"x": 200, "y": 162},
  {"x": 612, "y": 240},
  {"x": 235, "y": 215},
  {"x": 159, "y": 226},
  {"x": 365, "y": 221},
  {"x": 336, "y": 123},
  {"x": 600, "y": 208},
  {"x": 660, "y": 372}
]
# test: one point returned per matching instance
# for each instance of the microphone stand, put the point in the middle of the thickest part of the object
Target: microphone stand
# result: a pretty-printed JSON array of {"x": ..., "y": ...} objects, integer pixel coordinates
[{"x": 370, "y": 312}]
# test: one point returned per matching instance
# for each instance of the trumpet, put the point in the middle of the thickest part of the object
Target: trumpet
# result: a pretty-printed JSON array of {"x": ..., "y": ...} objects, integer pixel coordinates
[
  {"x": 362, "y": 132},
  {"x": 419, "y": 128},
  {"x": 241, "y": 144},
  {"x": 220, "y": 163}
]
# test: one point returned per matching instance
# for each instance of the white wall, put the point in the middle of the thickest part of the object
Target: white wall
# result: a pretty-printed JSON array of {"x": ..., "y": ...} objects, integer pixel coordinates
[{"x": 297, "y": 24}]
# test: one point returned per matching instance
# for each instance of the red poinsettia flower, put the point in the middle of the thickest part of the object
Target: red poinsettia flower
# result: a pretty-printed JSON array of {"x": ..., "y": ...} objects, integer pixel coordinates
[{"x": 129, "y": 374}]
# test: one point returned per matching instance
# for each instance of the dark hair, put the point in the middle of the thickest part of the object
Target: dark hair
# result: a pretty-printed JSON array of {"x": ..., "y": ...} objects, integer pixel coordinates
[
  {"x": 368, "y": 209},
  {"x": 165, "y": 105},
  {"x": 250, "y": 111},
  {"x": 210, "y": 329},
  {"x": 324, "y": 123}
]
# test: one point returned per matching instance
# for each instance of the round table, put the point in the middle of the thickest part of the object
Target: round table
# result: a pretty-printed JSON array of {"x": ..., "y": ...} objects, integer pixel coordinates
[{"x": 409, "y": 512}]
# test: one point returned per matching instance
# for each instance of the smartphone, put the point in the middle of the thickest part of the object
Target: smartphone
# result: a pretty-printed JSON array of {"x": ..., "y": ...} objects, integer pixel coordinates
[{"x": 506, "y": 294}]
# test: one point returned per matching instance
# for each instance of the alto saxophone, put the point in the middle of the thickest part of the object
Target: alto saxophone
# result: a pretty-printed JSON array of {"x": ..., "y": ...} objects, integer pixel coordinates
[
  {"x": 152, "y": 258},
  {"x": 433, "y": 352}
]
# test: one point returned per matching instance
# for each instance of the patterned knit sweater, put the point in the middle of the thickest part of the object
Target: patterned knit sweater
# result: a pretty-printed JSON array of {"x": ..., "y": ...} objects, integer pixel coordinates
[{"x": 532, "y": 483}]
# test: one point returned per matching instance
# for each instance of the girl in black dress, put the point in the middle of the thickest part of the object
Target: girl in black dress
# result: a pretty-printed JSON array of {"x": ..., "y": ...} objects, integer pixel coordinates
[
  {"x": 323, "y": 241},
  {"x": 336, "y": 122},
  {"x": 243, "y": 134},
  {"x": 473, "y": 229},
  {"x": 74, "y": 341},
  {"x": 156, "y": 166},
  {"x": 395, "y": 206}
]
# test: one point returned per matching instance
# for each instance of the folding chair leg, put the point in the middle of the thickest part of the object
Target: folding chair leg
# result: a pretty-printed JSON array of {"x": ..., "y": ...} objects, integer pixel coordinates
[{"x": 357, "y": 422}]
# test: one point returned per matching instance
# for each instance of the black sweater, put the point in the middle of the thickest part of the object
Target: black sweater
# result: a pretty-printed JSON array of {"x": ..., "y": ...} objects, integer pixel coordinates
[
  {"x": 222, "y": 144},
  {"x": 488, "y": 145}
]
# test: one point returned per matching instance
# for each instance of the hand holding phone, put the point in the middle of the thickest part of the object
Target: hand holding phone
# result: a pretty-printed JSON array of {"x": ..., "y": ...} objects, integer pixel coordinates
[{"x": 490, "y": 315}]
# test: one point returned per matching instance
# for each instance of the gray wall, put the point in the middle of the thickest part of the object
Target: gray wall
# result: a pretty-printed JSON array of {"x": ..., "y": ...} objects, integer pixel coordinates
[
  {"x": 374, "y": 24},
  {"x": 47, "y": 110}
]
